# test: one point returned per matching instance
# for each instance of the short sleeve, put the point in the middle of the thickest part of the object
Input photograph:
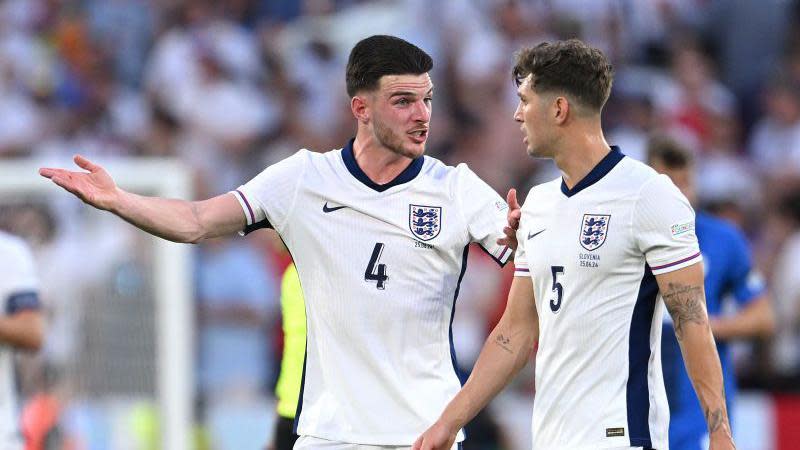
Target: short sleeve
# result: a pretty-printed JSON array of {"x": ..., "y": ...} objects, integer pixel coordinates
[
  {"x": 664, "y": 227},
  {"x": 520, "y": 258},
  {"x": 19, "y": 270},
  {"x": 267, "y": 199},
  {"x": 484, "y": 212},
  {"x": 746, "y": 284}
]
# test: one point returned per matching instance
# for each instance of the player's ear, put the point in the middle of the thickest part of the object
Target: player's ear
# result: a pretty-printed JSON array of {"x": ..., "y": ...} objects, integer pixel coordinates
[
  {"x": 360, "y": 108},
  {"x": 560, "y": 110}
]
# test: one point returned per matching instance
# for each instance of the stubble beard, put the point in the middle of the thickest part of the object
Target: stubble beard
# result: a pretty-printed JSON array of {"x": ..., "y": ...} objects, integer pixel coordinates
[
  {"x": 540, "y": 150},
  {"x": 535, "y": 152},
  {"x": 391, "y": 140}
]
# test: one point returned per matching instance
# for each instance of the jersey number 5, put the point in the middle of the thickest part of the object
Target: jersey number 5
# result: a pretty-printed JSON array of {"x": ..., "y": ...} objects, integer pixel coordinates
[
  {"x": 555, "y": 303},
  {"x": 375, "y": 271}
]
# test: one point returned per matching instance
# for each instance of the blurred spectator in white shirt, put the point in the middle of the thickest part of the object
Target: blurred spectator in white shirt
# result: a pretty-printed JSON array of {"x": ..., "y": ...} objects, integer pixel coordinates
[{"x": 775, "y": 142}]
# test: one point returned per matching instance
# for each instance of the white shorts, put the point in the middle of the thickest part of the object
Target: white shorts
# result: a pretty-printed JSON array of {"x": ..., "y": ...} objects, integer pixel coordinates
[{"x": 314, "y": 443}]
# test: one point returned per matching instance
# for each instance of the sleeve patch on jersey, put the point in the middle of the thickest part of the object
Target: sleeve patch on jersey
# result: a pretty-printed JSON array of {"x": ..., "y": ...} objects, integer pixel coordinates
[
  {"x": 501, "y": 205},
  {"x": 682, "y": 228},
  {"x": 22, "y": 301}
]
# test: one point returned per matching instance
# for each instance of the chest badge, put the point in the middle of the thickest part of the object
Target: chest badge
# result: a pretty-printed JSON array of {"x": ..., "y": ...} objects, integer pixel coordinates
[
  {"x": 425, "y": 222},
  {"x": 594, "y": 230}
]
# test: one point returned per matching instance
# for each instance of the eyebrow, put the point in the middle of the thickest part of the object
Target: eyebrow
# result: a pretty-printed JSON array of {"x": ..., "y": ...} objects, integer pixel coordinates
[{"x": 411, "y": 93}]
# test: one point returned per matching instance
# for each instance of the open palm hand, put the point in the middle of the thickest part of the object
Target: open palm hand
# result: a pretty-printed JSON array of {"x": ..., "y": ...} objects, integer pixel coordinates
[{"x": 95, "y": 187}]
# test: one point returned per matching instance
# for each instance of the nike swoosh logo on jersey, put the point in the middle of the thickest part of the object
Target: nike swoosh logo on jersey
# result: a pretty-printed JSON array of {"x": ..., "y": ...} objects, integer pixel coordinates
[
  {"x": 531, "y": 236},
  {"x": 326, "y": 209}
]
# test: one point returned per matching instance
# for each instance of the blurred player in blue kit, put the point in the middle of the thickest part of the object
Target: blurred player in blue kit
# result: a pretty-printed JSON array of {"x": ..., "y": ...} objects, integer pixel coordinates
[{"x": 729, "y": 277}]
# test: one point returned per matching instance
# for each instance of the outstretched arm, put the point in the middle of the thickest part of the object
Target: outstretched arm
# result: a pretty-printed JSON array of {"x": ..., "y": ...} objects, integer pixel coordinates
[
  {"x": 23, "y": 330},
  {"x": 504, "y": 354},
  {"x": 174, "y": 220},
  {"x": 684, "y": 297}
]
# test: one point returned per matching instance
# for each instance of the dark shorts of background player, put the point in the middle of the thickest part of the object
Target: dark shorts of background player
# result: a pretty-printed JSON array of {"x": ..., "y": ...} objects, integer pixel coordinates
[{"x": 284, "y": 435}]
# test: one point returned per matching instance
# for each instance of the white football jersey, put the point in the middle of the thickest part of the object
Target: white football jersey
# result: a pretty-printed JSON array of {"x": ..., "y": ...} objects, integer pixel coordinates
[
  {"x": 380, "y": 267},
  {"x": 592, "y": 253},
  {"x": 18, "y": 291}
]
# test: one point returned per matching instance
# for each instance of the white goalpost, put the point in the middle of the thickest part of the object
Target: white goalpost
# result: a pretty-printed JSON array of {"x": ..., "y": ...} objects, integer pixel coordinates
[{"x": 169, "y": 284}]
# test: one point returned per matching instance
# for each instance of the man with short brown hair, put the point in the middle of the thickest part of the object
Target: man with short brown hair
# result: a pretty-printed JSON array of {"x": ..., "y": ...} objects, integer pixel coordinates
[{"x": 598, "y": 249}]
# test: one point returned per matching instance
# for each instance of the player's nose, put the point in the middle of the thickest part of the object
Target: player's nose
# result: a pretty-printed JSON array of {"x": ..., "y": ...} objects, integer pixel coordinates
[
  {"x": 518, "y": 113},
  {"x": 422, "y": 112}
]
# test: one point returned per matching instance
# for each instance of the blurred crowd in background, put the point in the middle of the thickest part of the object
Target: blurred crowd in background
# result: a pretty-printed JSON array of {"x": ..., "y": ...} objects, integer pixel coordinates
[{"x": 229, "y": 87}]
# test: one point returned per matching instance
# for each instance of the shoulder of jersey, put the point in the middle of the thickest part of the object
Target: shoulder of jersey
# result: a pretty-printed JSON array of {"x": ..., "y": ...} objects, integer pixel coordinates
[
  {"x": 306, "y": 153},
  {"x": 631, "y": 175},
  {"x": 635, "y": 170},
  {"x": 13, "y": 247},
  {"x": 10, "y": 242},
  {"x": 311, "y": 154},
  {"x": 435, "y": 167},
  {"x": 437, "y": 171},
  {"x": 317, "y": 159}
]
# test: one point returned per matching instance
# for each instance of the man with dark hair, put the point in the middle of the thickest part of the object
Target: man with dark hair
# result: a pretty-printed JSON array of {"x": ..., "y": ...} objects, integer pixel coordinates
[
  {"x": 596, "y": 247},
  {"x": 379, "y": 234},
  {"x": 729, "y": 274}
]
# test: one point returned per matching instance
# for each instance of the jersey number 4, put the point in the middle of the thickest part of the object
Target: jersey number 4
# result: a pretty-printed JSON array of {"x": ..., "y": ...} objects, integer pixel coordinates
[
  {"x": 555, "y": 303},
  {"x": 376, "y": 271}
]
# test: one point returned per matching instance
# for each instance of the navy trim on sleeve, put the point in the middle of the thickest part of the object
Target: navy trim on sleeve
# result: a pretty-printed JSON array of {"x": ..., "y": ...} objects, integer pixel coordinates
[
  {"x": 22, "y": 301},
  {"x": 497, "y": 260},
  {"x": 257, "y": 226}
]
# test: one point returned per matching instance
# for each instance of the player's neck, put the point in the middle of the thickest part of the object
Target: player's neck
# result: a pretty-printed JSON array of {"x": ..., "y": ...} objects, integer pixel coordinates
[
  {"x": 581, "y": 152},
  {"x": 379, "y": 163}
]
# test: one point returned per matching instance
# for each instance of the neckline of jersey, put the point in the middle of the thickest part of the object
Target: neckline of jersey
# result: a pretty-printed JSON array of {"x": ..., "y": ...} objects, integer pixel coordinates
[
  {"x": 408, "y": 174},
  {"x": 597, "y": 173}
]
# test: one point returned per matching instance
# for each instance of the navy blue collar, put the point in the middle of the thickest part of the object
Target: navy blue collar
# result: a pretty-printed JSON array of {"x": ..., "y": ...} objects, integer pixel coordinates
[
  {"x": 408, "y": 174},
  {"x": 600, "y": 170}
]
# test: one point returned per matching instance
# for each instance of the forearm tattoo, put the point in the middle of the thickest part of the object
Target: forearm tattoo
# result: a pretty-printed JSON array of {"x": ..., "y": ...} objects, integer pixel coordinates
[
  {"x": 714, "y": 419},
  {"x": 686, "y": 305},
  {"x": 504, "y": 341},
  {"x": 717, "y": 417}
]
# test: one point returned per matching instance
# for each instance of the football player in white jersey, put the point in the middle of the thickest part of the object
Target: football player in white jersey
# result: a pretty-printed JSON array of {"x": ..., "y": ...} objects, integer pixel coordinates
[
  {"x": 21, "y": 328},
  {"x": 599, "y": 248},
  {"x": 379, "y": 234}
]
